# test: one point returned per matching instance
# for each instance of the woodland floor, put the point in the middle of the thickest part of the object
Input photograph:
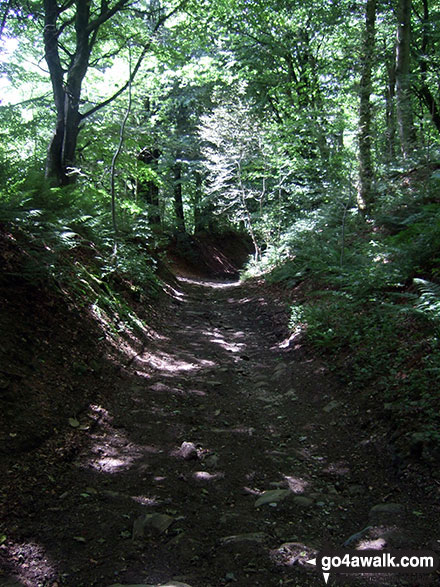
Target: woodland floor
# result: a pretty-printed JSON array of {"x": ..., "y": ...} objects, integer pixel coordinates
[{"x": 114, "y": 497}]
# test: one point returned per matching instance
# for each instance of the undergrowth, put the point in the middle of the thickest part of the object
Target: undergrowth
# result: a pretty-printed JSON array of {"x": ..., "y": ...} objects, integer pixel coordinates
[
  {"x": 67, "y": 243},
  {"x": 375, "y": 309}
]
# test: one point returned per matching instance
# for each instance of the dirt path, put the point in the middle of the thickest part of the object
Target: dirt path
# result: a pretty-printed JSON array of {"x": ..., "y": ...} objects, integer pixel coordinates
[{"x": 172, "y": 479}]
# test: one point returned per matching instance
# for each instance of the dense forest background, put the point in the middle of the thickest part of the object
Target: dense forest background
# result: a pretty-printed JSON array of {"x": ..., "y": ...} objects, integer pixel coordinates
[{"x": 311, "y": 128}]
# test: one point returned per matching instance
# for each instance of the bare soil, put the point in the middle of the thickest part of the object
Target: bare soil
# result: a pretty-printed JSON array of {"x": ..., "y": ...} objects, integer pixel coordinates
[{"x": 152, "y": 462}]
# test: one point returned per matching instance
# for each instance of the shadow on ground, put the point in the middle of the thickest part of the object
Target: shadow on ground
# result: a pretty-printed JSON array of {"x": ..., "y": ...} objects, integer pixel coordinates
[{"x": 214, "y": 450}]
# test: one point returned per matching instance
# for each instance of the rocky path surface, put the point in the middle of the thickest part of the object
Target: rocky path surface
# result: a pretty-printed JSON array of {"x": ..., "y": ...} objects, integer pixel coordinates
[{"x": 227, "y": 456}]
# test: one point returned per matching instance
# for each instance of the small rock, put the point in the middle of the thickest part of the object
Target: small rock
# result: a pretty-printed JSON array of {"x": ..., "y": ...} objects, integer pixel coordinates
[
  {"x": 110, "y": 494},
  {"x": 171, "y": 584},
  {"x": 272, "y": 496},
  {"x": 258, "y": 537},
  {"x": 291, "y": 394},
  {"x": 331, "y": 406},
  {"x": 160, "y": 387},
  {"x": 214, "y": 383},
  {"x": 158, "y": 522},
  {"x": 188, "y": 451},
  {"x": 377, "y": 544},
  {"x": 291, "y": 553}
]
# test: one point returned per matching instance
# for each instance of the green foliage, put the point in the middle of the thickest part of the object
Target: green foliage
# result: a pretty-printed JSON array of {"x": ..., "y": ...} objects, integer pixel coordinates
[
  {"x": 419, "y": 240},
  {"x": 68, "y": 244},
  {"x": 386, "y": 346},
  {"x": 370, "y": 311},
  {"x": 252, "y": 111},
  {"x": 429, "y": 301}
]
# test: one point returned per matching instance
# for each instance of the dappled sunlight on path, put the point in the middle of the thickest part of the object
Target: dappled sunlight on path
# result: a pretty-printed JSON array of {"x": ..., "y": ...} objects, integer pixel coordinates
[
  {"x": 224, "y": 454},
  {"x": 204, "y": 283}
]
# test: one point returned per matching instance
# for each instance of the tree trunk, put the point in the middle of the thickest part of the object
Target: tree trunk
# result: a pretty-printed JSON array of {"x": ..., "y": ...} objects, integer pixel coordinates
[
  {"x": 148, "y": 189},
  {"x": 61, "y": 153},
  {"x": 178, "y": 200},
  {"x": 67, "y": 78},
  {"x": 403, "y": 81},
  {"x": 198, "y": 217},
  {"x": 366, "y": 173},
  {"x": 424, "y": 92},
  {"x": 247, "y": 214},
  {"x": 390, "y": 112}
]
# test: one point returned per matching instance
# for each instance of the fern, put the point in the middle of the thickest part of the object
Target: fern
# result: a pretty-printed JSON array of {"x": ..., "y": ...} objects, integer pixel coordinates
[{"x": 429, "y": 300}]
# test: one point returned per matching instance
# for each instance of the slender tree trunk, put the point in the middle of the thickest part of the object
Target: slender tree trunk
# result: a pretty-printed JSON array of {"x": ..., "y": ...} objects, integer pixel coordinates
[
  {"x": 155, "y": 205},
  {"x": 248, "y": 218},
  {"x": 178, "y": 200},
  {"x": 198, "y": 221},
  {"x": 403, "y": 81},
  {"x": 113, "y": 165},
  {"x": 154, "y": 193},
  {"x": 148, "y": 189},
  {"x": 366, "y": 173},
  {"x": 390, "y": 108}
]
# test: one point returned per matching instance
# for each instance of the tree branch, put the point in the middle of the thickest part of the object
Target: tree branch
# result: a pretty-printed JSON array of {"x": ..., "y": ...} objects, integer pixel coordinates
[
  {"x": 113, "y": 53},
  {"x": 136, "y": 68},
  {"x": 121, "y": 89},
  {"x": 29, "y": 101},
  {"x": 51, "y": 52},
  {"x": 105, "y": 15},
  {"x": 66, "y": 5},
  {"x": 65, "y": 24}
]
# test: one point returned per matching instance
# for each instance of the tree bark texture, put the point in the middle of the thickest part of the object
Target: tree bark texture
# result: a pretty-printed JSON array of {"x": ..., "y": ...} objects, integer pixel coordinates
[
  {"x": 390, "y": 111},
  {"x": 403, "y": 80},
  {"x": 67, "y": 78},
  {"x": 366, "y": 172},
  {"x": 66, "y": 88}
]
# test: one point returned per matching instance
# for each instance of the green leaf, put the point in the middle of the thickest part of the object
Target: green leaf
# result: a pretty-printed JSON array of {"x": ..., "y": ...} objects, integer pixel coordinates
[{"x": 73, "y": 422}]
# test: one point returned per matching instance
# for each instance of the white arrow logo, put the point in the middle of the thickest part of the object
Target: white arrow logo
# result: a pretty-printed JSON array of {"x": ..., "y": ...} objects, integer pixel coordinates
[{"x": 313, "y": 562}]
